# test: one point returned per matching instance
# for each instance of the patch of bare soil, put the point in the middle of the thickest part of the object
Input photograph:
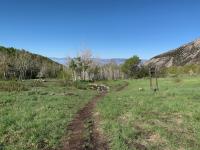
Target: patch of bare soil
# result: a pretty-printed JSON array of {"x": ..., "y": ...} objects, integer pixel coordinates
[
  {"x": 122, "y": 87},
  {"x": 84, "y": 133}
]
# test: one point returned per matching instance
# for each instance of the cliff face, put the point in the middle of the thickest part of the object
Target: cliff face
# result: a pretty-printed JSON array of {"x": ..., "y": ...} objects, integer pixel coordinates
[{"x": 186, "y": 54}]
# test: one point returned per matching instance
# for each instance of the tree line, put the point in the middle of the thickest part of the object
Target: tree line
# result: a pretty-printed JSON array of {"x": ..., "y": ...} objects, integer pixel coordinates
[
  {"x": 84, "y": 67},
  {"x": 20, "y": 64}
]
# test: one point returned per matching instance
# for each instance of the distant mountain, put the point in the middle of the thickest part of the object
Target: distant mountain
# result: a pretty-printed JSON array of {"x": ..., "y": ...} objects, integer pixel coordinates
[
  {"x": 118, "y": 61},
  {"x": 186, "y": 54},
  {"x": 101, "y": 61},
  {"x": 62, "y": 61}
]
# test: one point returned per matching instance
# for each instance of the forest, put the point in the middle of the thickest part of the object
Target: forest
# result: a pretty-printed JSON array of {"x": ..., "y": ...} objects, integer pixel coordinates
[{"x": 21, "y": 65}]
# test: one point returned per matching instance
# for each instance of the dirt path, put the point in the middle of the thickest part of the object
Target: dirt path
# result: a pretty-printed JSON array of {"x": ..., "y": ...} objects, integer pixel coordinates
[
  {"x": 83, "y": 130},
  {"x": 122, "y": 87}
]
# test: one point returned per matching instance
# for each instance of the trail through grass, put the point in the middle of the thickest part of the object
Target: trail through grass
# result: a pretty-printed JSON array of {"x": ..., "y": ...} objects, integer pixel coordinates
[{"x": 37, "y": 118}]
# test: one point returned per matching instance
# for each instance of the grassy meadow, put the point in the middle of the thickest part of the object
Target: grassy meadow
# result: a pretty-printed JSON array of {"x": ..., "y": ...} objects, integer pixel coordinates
[
  {"x": 168, "y": 119},
  {"x": 35, "y": 116}
]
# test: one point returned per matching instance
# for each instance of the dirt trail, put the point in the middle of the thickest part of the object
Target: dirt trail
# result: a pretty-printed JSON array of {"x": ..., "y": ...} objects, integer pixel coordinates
[
  {"x": 122, "y": 87},
  {"x": 83, "y": 132}
]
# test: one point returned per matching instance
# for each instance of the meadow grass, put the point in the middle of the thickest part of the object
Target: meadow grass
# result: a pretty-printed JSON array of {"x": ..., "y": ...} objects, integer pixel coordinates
[
  {"x": 167, "y": 119},
  {"x": 37, "y": 118}
]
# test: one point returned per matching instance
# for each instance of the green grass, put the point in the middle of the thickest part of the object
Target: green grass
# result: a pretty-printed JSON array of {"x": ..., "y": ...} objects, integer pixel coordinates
[
  {"x": 37, "y": 117},
  {"x": 168, "y": 119}
]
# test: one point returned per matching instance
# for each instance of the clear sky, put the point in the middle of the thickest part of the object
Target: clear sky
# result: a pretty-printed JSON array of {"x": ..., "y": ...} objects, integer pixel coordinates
[{"x": 111, "y": 28}]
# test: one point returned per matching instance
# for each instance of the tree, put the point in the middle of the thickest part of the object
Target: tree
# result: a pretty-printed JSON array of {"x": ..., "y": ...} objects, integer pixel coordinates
[
  {"x": 143, "y": 71},
  {"x": 23, "y": 63},
  {"x": 73, "y": 66},
  {"x": 131, "y": 66},
  {"x": 93, "y": 71},
  {"x": 83, "y": 67},
  {"x": 86, "y": 61},
  {"x": 3, "y": 65}
]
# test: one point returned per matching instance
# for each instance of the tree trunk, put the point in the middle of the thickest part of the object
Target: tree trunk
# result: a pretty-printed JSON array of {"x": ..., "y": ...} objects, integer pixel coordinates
[
  {"x": 75, "y": 78},
  {"x": 4, "y": 74}
]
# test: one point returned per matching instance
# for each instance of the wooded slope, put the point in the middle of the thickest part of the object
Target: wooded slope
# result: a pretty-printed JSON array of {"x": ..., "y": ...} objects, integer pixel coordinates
[{"x": 21, "y": 64}]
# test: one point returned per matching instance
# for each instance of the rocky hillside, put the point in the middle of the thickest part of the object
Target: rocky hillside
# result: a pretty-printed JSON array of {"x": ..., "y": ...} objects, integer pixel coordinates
[{"x": 186, "y": 54}]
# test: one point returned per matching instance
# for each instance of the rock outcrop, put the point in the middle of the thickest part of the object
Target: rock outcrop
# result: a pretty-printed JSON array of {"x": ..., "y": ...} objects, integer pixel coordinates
[{"x": 186, "y": 54}]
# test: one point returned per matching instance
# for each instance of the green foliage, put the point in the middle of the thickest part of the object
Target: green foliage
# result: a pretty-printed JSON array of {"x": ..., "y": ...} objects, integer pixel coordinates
[
  {"x": 192, "y": 69},
  {"x": 142, "y": 72},
  {"x": 162, "y": 72},
  {"x": 66, "y": 76},
  {"x": 72, "y": 64},
  {"x": 9, "y": 51},
  {"x": 133, "y": 69},
  {"x": 130, "y": 66}
]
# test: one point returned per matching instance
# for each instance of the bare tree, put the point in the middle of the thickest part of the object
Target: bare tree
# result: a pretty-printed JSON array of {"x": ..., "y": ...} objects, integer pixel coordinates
[
  {"x": 3, "y": 64},
  {"x": 23, "y": 63},
  {"x": 72, "y": 65},
  {"x": 84, "y": 67},
  {"x": 86, "y": 59}
]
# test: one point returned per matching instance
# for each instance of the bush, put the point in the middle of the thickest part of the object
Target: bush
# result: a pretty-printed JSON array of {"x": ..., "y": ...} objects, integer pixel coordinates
[
  {"x": 81, "y": 85},
  {"x": 12, "y": 86},
  {"x": 191, "y": 69},
  {"x": 66, "y": 76},
  {"x": 142, "y": 72}
]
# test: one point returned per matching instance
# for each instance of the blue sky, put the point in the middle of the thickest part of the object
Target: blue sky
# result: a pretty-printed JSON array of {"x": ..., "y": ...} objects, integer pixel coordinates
[{"x": 111, "y": 28}]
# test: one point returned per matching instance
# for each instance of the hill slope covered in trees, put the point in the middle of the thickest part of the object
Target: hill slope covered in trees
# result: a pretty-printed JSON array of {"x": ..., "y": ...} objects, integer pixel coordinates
[{"x": 21, "y": 64}]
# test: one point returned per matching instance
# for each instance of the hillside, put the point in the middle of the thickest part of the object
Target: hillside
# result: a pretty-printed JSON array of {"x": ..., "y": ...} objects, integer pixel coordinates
[
  {"x": 21, "y": 64},
  {"x": 184, "y": 55}
]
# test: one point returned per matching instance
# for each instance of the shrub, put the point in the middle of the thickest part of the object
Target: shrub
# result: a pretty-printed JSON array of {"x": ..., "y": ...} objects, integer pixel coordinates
[
  {"x": 81, "y": 85},
  {"x": 66, "y": 76}
]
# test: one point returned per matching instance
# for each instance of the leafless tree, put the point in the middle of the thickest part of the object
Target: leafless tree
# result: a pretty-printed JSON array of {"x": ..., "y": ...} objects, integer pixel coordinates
[{"x": 22, "y": 64}]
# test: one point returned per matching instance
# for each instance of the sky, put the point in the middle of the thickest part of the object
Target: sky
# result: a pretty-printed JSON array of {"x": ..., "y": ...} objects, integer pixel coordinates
[{"x": 110, "y": 28}]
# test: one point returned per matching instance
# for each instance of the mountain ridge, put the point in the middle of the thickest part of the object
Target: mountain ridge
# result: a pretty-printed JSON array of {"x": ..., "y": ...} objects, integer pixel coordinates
[
  {"x": 186, "y": 54},
  {"x": 118, "y": 61}
]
